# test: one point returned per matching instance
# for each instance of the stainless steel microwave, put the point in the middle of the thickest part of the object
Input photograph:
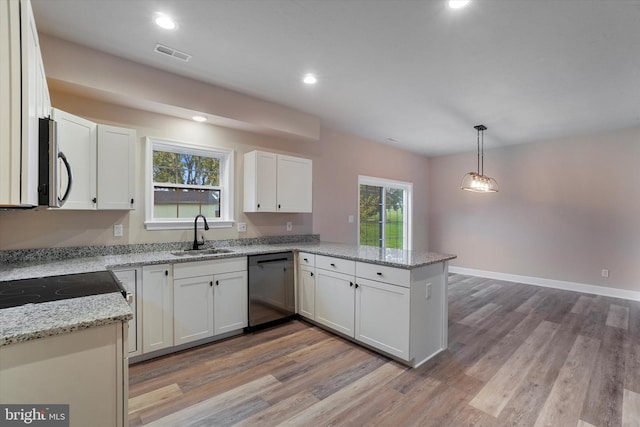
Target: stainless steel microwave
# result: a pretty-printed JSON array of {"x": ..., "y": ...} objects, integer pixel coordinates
[{"x": 49, "y": 158}]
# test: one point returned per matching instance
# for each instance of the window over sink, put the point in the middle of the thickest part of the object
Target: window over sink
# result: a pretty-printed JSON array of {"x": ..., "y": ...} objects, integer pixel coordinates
[{"x": 183, "y": 180}]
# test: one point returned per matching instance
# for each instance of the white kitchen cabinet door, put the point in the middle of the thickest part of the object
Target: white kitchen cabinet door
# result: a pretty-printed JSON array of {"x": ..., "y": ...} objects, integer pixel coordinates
[
  {"x": 116, "y": 168},
  {"x": 77, "y": 138},
  {"x": 86, "y": 369},
  {"x": 306, "y": 292},
  {"x": 34, "y": 83},
  {"x": 10, "y": 102},
  {"x": 294, "y": 184},
  {"x": 157, "y": 307},
  {"x": 24, "y": 100},
  {"x": 230, "y": 297},
  {"x": 192, "y": 309},
  {"x": 382, "y": 316},
  {"x": 128, "y": 280},
  {"x": 260, "y": 181},
  {"x": 335, "y": 301}
]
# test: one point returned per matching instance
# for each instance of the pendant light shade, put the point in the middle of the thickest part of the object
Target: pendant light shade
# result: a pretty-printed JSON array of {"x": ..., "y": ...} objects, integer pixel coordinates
[{"x": 478, "y": 182}]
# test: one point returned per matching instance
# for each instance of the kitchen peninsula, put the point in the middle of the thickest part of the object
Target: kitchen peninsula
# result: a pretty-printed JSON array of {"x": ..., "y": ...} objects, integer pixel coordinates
[{"x": 376, "y": 274}]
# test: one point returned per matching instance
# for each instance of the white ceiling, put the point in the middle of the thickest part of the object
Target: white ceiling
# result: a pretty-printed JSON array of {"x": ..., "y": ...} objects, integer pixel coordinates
[{"x": 415, "y": 71}]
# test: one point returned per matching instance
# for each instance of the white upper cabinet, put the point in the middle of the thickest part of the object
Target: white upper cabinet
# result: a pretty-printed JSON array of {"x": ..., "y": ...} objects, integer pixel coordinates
[
  {"x": 260, "y": 171},
  {"x": 277, "y": 183},
  {"x": 25, "y": 98},
  {"x": 294, "y": 185},
  {"x": 102, "y": 159},
  {"x": 77, "y": 140},
  {"x": 116, "y": 168}
]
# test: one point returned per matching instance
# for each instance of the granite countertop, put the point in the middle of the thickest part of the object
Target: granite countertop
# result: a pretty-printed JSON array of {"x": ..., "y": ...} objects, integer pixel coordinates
[
  {"x": 391, "y": 257},
  {"x": 34, "y": 321}
]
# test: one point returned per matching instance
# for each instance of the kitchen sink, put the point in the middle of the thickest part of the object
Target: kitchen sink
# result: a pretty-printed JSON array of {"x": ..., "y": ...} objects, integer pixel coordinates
[{"x": 197, "y": 252}]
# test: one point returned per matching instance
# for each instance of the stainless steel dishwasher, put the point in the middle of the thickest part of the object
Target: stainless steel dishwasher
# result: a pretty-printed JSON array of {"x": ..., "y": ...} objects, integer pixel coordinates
[{"x": 271, "y": 294}]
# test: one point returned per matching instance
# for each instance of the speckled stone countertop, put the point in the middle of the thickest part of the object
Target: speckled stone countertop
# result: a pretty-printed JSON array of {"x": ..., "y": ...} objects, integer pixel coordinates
[
  {"x": 34, "y": 321},
  {"x": 391, "y": 257}
]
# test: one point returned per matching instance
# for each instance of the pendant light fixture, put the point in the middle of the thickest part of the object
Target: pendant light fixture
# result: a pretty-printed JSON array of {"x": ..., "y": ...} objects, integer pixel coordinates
[{"x": 477, "y": 181}]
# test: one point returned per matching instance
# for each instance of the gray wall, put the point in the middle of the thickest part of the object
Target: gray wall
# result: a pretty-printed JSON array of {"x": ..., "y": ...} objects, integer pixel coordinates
[{"x": 566, "y": 209}]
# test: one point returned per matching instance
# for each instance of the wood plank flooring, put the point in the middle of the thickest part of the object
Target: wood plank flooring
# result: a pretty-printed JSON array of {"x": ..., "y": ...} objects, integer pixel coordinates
[{"x": 518, "y": 355}]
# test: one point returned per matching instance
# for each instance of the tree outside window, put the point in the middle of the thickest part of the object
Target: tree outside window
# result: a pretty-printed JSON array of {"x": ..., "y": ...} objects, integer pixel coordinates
[
  {"x": 384, "y": 213},
  {"x": 185, "y": 185},
  {"x": 184, "y": 180}
]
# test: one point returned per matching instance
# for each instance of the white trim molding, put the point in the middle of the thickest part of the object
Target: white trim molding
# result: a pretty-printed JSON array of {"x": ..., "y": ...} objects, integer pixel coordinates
[
  {"x": 227, "y": 174},
  {"x": 550, "y": 283},
  {"x": 407, "y": 187}
]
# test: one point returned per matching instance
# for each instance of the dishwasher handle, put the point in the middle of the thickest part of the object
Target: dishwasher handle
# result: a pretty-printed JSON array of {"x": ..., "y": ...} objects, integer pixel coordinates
[{"x": 271, "y": 260}]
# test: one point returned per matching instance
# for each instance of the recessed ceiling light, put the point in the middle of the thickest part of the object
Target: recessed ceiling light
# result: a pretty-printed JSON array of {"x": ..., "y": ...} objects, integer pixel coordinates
[
  {"x": 458, "y": 4},
  {"x": 165, "y": 21},
  {"x": 199, "y": 118},
  {"x": 310, "y": 79}
]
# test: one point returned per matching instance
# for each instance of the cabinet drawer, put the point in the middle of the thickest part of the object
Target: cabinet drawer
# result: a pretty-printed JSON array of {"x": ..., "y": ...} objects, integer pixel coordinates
[
  {"x": 336, "y": 264},
  {"x": 307, "y": 259},
  {"x": 206, "y": 268},
  {"x": 383, "y": 273}
]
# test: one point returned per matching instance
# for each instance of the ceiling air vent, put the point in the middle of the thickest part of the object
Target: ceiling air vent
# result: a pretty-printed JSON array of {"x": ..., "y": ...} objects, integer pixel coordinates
[{"x": 166, "y": 50}]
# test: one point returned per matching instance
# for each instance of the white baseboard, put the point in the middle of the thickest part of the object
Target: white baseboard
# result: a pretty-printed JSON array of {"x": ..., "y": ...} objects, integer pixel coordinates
[{"x": 549, "y": 283}]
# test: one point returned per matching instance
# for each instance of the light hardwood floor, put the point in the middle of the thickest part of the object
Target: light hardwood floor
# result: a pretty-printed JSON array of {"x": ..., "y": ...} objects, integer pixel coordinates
[{"x": 518, "y": 355}]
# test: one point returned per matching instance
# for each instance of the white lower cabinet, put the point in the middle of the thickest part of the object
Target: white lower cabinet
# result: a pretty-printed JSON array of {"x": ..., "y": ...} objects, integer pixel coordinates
[
  {"x": 86, "y": 369},
  {"x": 157, "y": 307},
  {"x": 306, "y": 292},
  {"x": 335, "y": 301},
  {"x": 230, "y": 301},
  {"x": 129, "y": 279},
  {"x": 400, "y": 312},
  {"x": 210, "y": 298},
  {"x": 192, "y": 309},
  {"x": 382, "y": 316}
]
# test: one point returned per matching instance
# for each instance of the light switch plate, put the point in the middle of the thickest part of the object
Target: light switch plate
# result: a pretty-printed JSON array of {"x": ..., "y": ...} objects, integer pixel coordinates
[
  {"x": 351, "y": 219},
  {"x": 289, "y": 226},
  {"x": 242, "y": 227},
  {"x": 117, "y": 230}
]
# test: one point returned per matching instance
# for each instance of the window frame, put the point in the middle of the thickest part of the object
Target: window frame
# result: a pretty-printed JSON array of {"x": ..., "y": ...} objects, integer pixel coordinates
[
  {"x": 226, "y": 182},
  {"x": 407, "y": 188}
]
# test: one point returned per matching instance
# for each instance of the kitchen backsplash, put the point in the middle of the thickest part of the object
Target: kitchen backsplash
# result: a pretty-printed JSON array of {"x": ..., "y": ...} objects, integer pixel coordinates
[{"x": 48, "y": 254}]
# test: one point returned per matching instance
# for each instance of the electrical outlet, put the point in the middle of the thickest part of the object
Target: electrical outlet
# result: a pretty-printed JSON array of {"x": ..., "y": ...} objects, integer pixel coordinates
[
  {"x": 289, "y": 226},
  {"x": 428, "y": 290},
  {"x": 117, "y": 230},
  {"x": 351, "y": 219},
  {"x": 242, "y": 227},
  {"x": 605, "y": 273}
]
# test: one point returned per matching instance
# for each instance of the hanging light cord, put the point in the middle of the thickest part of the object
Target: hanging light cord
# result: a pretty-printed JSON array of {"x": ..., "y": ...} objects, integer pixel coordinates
[
  {"x": 478, "y": 150},
  {"x": 482, "y": 151}
]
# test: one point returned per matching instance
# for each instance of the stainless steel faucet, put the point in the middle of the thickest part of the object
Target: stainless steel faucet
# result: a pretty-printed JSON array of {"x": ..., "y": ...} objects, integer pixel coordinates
[{"x": 196, "y": 243}]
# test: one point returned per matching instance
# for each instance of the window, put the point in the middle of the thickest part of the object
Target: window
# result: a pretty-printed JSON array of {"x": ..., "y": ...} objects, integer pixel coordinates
[
  {"x": 385, "y": 213},
  {"x": 184, "y": 180}
]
